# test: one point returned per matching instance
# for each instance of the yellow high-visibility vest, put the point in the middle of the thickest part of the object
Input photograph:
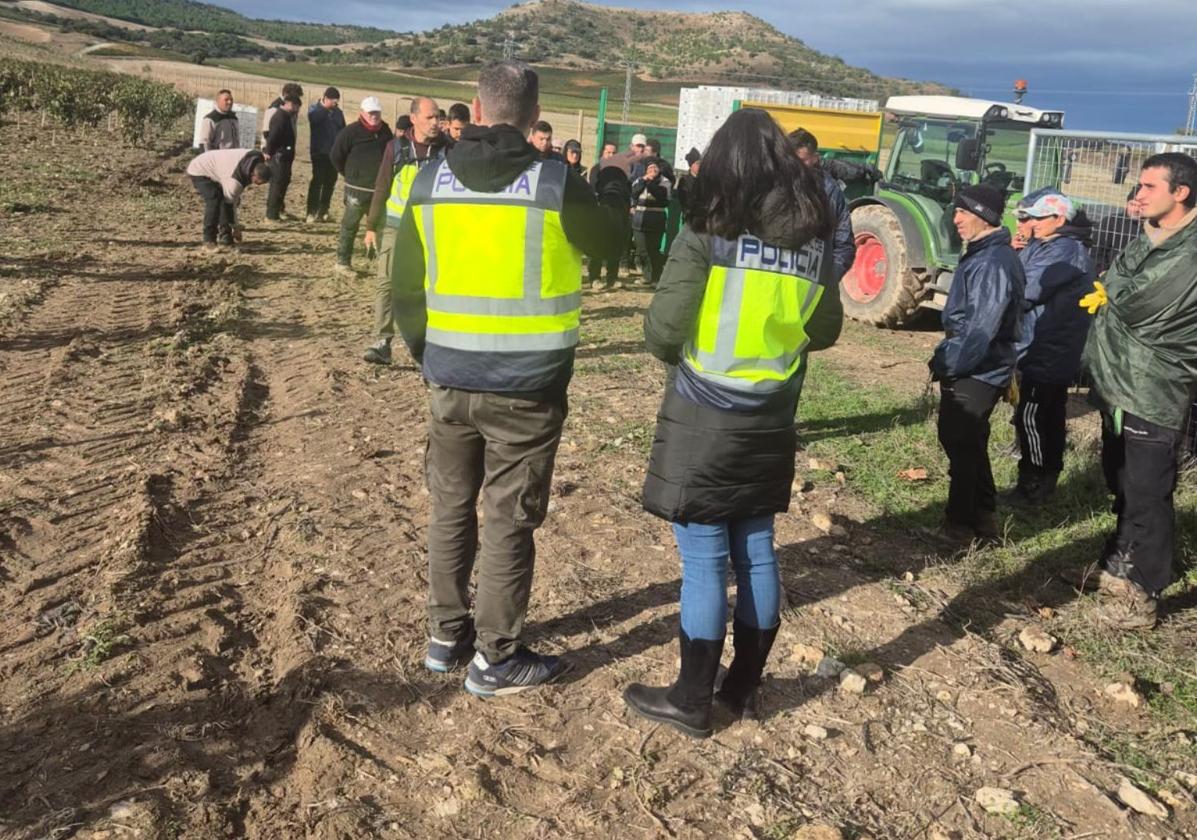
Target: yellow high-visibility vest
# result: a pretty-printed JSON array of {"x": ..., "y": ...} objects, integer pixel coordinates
[
  {"x": 499, "y": 273},
  {"x": 751, "y": 327}
]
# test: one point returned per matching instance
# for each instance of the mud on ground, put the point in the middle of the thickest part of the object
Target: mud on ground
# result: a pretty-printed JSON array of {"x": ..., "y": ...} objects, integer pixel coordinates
[{"x": 211, "y": 582}]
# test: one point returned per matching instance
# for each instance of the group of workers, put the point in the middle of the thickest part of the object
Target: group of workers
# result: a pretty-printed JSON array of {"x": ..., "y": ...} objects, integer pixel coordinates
[{"x": 481, "y": 242}]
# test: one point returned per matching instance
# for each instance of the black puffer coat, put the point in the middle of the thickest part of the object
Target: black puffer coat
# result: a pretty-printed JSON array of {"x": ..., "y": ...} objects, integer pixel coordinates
[{"x": 719, "y": 464}]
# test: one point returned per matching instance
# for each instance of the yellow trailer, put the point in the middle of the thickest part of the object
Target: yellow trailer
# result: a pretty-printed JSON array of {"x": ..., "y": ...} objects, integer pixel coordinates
[{"x": 851, "y": 132}]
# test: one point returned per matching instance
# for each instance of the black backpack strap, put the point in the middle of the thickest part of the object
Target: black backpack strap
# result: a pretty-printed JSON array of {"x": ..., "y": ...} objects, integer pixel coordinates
[{"x": 401, "y": 154}]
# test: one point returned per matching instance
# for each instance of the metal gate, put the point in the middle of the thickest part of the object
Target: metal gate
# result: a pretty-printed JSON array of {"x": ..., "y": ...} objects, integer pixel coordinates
[{"x": 1098, "y": 170}]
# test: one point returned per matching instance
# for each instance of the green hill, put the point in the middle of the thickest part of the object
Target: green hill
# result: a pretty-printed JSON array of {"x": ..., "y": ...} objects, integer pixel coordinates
[
  {"x": 711, "y": 47},
  {"x": 189, "y": 15}
]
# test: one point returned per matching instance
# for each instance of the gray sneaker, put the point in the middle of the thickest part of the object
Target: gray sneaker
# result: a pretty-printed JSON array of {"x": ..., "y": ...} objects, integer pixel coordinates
[
  {"x": 521, "y": 672},
  {"x": 379, "y": 353}
]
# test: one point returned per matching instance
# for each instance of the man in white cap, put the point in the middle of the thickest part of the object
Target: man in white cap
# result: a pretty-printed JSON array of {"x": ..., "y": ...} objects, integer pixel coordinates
[
  {"x": 1059, "y": 272},
  {"x": 357, "y": 154}
]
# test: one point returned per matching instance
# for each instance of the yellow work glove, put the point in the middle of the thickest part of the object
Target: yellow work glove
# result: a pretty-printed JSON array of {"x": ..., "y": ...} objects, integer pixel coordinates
[
  {"x": 1096, "y": 299},
  {"x": 1011, "y": 394}
]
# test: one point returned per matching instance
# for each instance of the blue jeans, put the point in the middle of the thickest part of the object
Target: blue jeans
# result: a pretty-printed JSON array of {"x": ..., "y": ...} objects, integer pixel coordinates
[{"x": 705, "y": 549}]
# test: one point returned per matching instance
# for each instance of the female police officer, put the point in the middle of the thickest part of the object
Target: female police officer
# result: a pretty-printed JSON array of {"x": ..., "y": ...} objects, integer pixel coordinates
[{"x": 748, "y": 288}]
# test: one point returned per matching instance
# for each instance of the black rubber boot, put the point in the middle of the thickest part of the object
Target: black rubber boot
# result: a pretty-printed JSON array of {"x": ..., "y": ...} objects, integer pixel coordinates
[
  {"x": 685, "y": 705},
  {"x": 752, "y": 646}
]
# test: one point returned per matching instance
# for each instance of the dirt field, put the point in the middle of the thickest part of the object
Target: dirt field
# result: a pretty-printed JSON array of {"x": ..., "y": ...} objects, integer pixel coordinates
[{"x": 211, "y": 579}]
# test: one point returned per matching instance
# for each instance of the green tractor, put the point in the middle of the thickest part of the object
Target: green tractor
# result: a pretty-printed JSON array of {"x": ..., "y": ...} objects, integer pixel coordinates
[{"x": 907, "y": 248}]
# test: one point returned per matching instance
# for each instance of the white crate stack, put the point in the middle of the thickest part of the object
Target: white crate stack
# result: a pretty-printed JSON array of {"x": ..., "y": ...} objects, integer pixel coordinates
[{"x": 703, "y": 109}]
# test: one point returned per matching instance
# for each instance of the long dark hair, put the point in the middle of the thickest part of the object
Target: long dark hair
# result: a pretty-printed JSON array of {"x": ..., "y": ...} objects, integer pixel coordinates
[{"x": 750, "y": 159}]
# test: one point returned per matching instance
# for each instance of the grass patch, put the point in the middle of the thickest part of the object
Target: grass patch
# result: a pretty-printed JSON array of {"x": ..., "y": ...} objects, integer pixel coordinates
[{"x": 99, "y": 643}]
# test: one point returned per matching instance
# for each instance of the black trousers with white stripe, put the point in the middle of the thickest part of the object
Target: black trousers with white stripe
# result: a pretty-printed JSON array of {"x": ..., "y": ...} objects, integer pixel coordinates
[{"x": 1039, "y": 420}]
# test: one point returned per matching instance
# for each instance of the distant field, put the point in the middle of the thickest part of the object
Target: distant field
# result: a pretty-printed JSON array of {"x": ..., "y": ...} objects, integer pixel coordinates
[{"x": 563, "y": 91}]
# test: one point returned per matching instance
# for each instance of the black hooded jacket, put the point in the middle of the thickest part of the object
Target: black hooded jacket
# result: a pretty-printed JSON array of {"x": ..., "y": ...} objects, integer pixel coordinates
[
  {"x": 717, "y": 455},
  {"x": 487, "y": 159}
]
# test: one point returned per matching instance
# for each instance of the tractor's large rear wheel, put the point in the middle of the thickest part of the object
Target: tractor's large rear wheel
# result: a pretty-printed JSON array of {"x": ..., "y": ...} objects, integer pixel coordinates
[{"x": 880, "y": 288}]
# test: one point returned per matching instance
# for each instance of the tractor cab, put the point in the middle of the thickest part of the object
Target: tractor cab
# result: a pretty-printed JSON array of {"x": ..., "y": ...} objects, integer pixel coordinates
[{"x": 931, "y": 147}]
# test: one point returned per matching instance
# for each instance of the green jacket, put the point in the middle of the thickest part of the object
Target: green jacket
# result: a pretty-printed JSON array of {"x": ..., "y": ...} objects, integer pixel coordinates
[{"x": 1141, "y": 351}]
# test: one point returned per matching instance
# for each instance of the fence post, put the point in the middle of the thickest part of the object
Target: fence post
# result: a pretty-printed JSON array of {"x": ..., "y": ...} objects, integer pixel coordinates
[{"x": 602, "y": 121}]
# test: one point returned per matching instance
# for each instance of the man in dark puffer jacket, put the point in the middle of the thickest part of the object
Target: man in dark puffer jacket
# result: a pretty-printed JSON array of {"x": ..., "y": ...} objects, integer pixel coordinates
[
  {"x": 357, "y": 154},
  {"x": 975, "y": 361},
  {"x": 1059, "y": 272}
]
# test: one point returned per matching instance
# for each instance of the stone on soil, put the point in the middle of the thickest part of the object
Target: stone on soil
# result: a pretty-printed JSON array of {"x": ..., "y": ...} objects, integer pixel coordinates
[
  {"x": 852, "y": 682},
  {"x": 997, "y": 801},
  {"x": 1120, "y": 692},
  {"x": 1036, "y": 640},
  {"x": 829, "y": 667},
  {"x": 1137, "y": 800},
  {"x": 818, "y": 831},
  {"x": 807, "y": 655},
  {"x": 815, "y": 732}
]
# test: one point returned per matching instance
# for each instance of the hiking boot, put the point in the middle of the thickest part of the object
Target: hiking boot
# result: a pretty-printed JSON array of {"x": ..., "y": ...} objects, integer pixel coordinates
[
  {"x": 685, "y": 705},
  {"x": 987, "y": 529},
  {"x": 524, "y": 670},
  {"x": 1085, "y": 579},
  {"x": 379, "y": 353},
  {"x": 445, "y": 656},
  {"x": 310, "y": 218},
  {"x": 346, "y": 270},
  {"x": 1129, "y": 607},
  {"x": 738, "y": 689},
  {"x": 954, "y": 533}
]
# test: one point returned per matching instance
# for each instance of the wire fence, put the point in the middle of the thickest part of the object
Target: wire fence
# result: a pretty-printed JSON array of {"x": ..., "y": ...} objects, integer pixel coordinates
[{"x": 1099, "y": 170}]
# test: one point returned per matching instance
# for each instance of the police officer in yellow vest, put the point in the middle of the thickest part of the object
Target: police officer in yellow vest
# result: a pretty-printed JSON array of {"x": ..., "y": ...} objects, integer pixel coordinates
[
  {"x": 405, "y": 156},
  {"x": 748, "y": 290},
  {"x": 487, "y": 293}
]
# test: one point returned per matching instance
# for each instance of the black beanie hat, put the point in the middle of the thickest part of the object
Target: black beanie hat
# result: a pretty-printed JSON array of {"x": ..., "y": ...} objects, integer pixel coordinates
[
  {"x": 982, "y": 201},
  {"x": 693, "y": 156},
  {"x": 332, "y": 93}
]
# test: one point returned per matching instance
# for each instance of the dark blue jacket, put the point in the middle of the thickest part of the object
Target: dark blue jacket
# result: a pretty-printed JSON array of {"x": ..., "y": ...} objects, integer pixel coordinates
[
  {"x": 844, "y": 248},
  {"x": 981, "y": 317},
  {"x": 1059, "y": 273},
  {"x": 326, "y": 124}
]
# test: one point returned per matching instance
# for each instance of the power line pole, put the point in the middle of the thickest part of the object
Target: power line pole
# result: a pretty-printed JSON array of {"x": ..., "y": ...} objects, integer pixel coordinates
[
  {"x": 630, "y": 66},
  {"x": 509, "y": 46},
  {"x": 1191, "y": 122}
]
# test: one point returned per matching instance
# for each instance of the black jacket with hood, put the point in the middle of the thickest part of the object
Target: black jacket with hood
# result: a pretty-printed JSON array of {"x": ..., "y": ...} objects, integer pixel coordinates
[
  {"x": 718, "y": 456},
  {"x": 488, "y": 159}
]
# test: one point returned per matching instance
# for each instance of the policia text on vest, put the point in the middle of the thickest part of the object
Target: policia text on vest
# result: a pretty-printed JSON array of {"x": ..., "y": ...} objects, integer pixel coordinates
[
  {"x": 499, "y": 273},
  {"x": 751, "y": 328}
]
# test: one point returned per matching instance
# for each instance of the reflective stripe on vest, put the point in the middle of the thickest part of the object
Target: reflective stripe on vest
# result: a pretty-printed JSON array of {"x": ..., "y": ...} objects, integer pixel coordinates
[
  {"x": 751, "y": 328},
  {"x": 500, "y": 275},
  {"x": 400, "y": 190}
]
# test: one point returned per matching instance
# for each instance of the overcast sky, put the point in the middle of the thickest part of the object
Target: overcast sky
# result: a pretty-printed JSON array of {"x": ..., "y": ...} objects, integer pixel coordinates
[{"x": 1103, "y": 63}]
